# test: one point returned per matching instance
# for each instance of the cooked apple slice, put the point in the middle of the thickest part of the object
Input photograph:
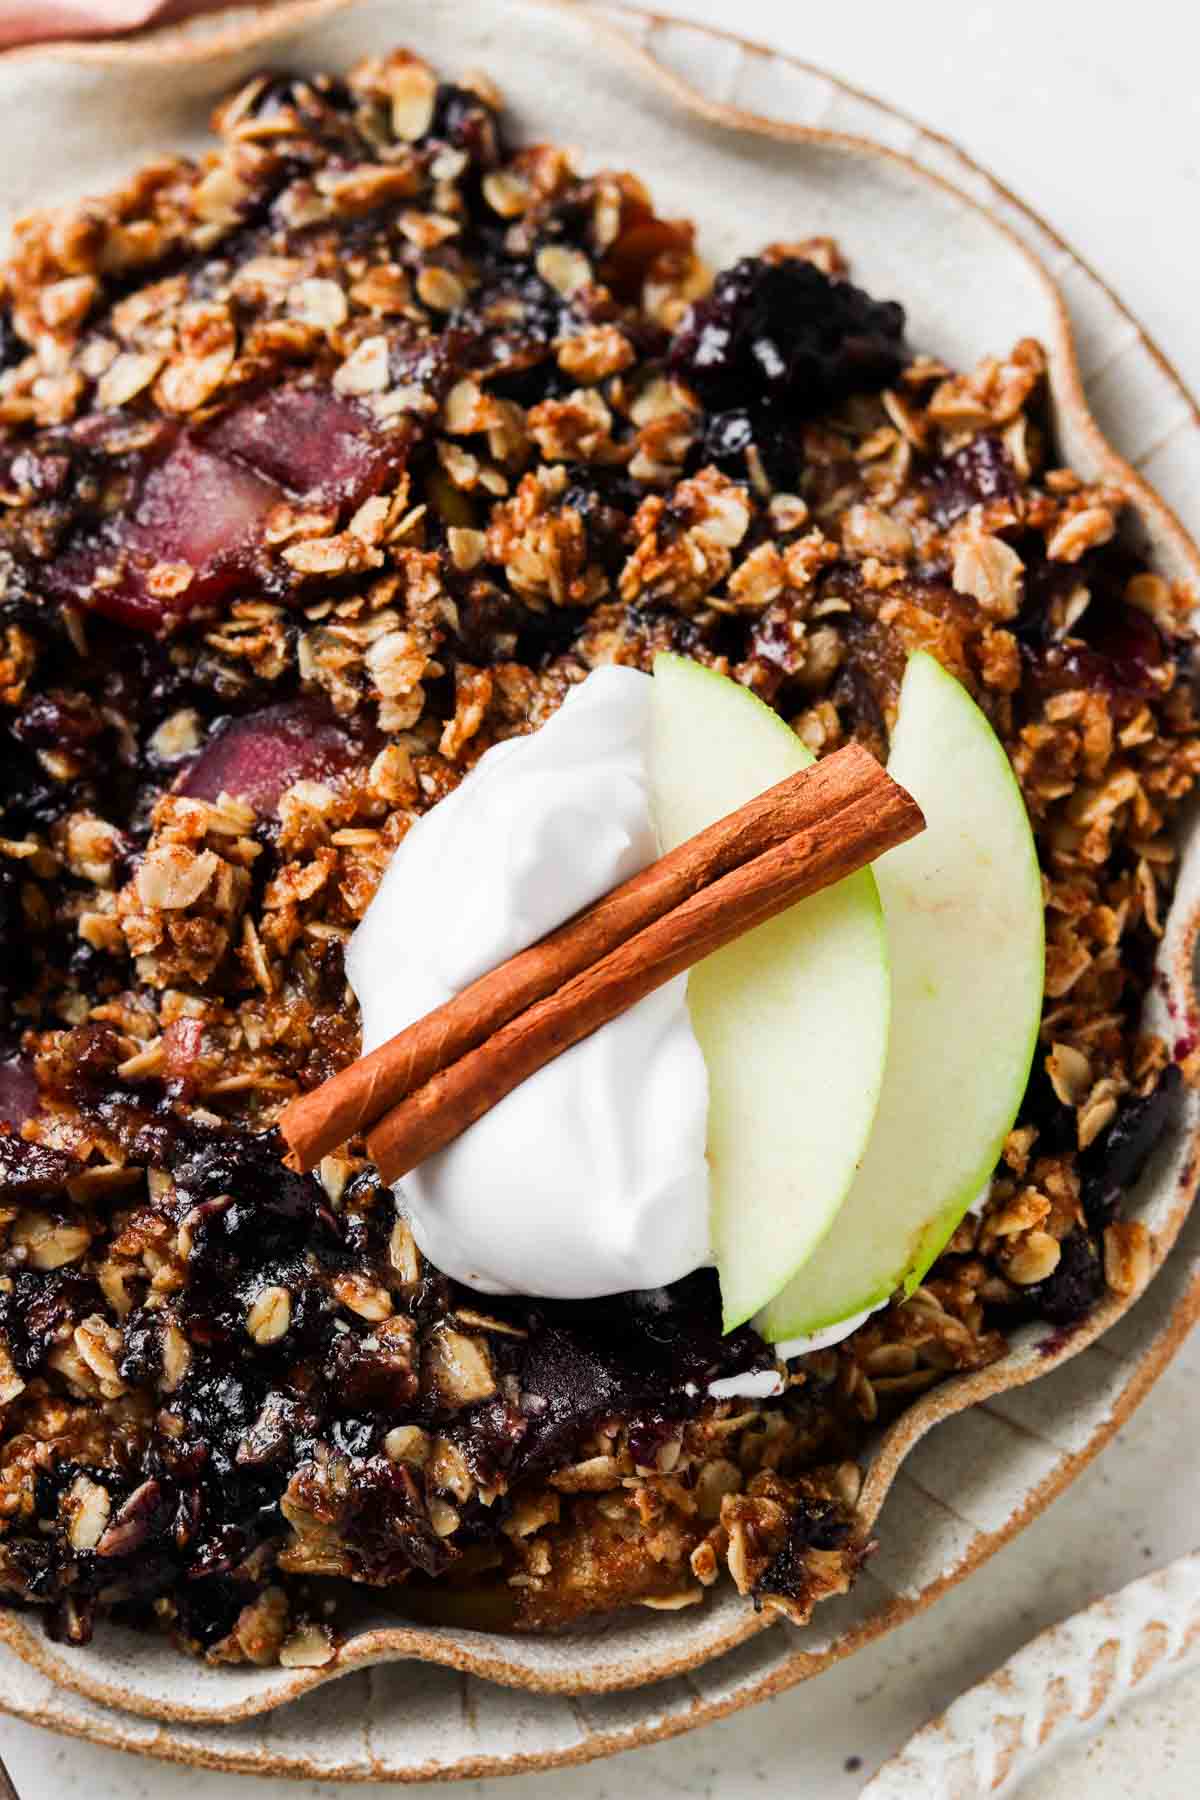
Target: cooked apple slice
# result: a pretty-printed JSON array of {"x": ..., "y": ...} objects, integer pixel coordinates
[
  {"x": 963, "y": 904},
  {"x": 792, "y": 1018},
  {"x": 261, "y": 754}
]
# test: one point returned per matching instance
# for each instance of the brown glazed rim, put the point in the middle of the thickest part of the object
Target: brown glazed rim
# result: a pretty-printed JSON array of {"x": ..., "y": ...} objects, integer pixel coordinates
[{"x": 236, "y": 31}]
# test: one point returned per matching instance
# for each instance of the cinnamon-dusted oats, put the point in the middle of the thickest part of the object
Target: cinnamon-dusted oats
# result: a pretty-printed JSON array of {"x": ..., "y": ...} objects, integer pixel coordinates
[{"x": 329, "y": 462}]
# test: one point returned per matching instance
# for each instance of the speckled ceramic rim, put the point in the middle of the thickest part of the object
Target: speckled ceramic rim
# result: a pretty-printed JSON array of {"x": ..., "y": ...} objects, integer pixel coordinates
[
  {"x": 204, "y": 40},
  {"x": 112, "y": 1731},
  {"x": 1052, "y": 1691}
]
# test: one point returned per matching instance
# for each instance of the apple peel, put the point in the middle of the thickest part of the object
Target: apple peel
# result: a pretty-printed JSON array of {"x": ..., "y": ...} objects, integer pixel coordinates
[
  {"x": 792, "y": 1018},
  {"x": 963, "y": 905}
]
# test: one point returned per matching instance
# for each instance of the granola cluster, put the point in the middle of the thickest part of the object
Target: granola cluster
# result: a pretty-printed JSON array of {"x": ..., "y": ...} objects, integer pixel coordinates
[{"x": 325, "y": 464}]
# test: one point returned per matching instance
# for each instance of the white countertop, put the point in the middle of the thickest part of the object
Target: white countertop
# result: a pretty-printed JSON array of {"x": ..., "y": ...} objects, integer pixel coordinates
[{"x": 1091, "y": 114}]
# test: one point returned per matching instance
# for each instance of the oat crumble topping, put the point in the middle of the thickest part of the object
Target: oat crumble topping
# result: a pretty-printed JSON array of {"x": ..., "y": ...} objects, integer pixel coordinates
[{"x": 325, "y": 464}]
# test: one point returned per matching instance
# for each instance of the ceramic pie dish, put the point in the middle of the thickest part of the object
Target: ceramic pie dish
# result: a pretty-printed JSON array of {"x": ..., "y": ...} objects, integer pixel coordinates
[
  {"x": 838, "y": 184},
  {"x": 407, "y": 1722}
]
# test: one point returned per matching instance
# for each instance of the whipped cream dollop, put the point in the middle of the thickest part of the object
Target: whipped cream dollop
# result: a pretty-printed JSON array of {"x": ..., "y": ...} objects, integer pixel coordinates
[
  {"x": 590, "y": 1178},
  {"x": 826, "y": 1337}
]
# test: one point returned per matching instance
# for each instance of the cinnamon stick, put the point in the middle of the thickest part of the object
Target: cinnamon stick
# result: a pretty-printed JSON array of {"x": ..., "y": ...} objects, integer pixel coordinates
[
  {"x": 356, "y": 1099},
  {"x": 877, "y": 817}
]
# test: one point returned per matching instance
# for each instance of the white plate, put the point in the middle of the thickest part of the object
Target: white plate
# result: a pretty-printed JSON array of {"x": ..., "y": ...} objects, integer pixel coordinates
[
  {"x": 1103, "y": 1707},
  {"x": 693, "y": 112}
]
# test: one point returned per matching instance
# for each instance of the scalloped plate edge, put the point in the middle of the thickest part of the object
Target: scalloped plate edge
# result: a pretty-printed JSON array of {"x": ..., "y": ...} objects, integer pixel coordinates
[{"x": 215, "y": 37}]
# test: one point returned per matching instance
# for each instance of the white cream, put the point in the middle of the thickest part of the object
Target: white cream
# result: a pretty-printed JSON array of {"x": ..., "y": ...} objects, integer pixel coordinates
[
  {"x": 825, "y": 1338},
  {"x": 756, "y": 1384},
  {"x": 590, "y": 1178},
  {"x": 981, "y": 1199}
]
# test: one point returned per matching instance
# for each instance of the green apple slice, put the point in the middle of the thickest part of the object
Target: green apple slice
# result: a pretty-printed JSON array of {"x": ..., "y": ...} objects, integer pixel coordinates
[
  {"x": 963, "y": 904},
  {"x": 792, "y": 1019}
]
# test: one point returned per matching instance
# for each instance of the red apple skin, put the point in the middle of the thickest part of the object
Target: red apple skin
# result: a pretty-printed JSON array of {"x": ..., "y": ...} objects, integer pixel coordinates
[
  {"x": 256, "y": 758},
  {"x": 193, "y": 509},
  {"x": 313, "y": 443},
  {"x": 203, "y": 501},
  {"x": 18, "y": 1090}
]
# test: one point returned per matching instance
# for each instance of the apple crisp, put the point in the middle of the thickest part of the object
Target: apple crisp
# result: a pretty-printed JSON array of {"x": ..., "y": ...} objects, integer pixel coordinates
[{"x": 326, "y": 463}]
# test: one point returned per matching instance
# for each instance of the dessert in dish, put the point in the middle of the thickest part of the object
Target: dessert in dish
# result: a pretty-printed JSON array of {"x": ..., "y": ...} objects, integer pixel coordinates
[
  {"x": 329, "y": 465},
  {"x": 821, "y": 971}
]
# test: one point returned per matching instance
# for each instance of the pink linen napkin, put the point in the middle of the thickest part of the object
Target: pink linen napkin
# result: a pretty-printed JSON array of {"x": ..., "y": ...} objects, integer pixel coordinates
[{"x": 34, "y": 21}]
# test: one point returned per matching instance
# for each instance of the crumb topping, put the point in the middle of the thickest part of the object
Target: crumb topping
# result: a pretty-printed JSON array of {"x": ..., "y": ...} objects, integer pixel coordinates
[{"x": 326, "y": 463}]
